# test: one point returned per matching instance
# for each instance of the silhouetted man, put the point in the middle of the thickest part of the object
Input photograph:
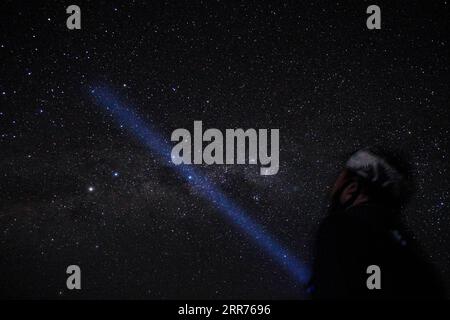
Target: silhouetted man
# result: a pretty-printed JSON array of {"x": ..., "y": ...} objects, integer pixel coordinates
[{"x": 363, "y": 229}]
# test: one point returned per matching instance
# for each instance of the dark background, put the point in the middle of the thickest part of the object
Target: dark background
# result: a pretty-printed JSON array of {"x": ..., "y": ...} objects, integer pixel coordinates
[{"x": 311, "y": 69}]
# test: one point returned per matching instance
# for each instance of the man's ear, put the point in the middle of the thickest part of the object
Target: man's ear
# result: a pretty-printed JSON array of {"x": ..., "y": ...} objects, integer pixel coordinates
[{"x": 349, "y": 193}]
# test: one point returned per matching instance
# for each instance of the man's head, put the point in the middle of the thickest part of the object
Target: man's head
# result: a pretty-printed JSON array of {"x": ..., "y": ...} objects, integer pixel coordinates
[{"x": 370, "y": 175}]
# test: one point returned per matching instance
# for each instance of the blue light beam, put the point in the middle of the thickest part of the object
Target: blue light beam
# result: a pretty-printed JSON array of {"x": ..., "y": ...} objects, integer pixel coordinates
[{"x": 149, "y": 137}]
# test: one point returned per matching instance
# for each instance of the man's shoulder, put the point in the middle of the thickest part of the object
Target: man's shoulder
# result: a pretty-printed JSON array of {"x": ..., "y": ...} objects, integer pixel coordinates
[
  {"x": 357, "y": 215},
  {"x": 355, "y": 226}
]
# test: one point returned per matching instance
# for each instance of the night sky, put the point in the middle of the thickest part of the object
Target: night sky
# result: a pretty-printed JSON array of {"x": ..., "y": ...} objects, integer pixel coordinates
[{"x": 76, "y": 188}]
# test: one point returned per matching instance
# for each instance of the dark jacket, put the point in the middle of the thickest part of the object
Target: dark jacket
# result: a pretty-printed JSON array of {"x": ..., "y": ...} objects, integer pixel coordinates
[{"x": 350, "y": 241}]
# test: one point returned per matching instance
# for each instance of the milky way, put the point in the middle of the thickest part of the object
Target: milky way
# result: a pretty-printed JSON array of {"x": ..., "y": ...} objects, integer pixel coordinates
[{"x": 77, "y": 188}]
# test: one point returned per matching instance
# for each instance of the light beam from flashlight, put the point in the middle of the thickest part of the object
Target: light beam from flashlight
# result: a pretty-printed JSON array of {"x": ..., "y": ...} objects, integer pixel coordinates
[{"x": 148, "y": 136}]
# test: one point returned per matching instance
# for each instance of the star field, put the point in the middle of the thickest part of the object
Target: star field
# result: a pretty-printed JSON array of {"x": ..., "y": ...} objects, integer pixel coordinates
[{"x": 76, "y": 188}]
